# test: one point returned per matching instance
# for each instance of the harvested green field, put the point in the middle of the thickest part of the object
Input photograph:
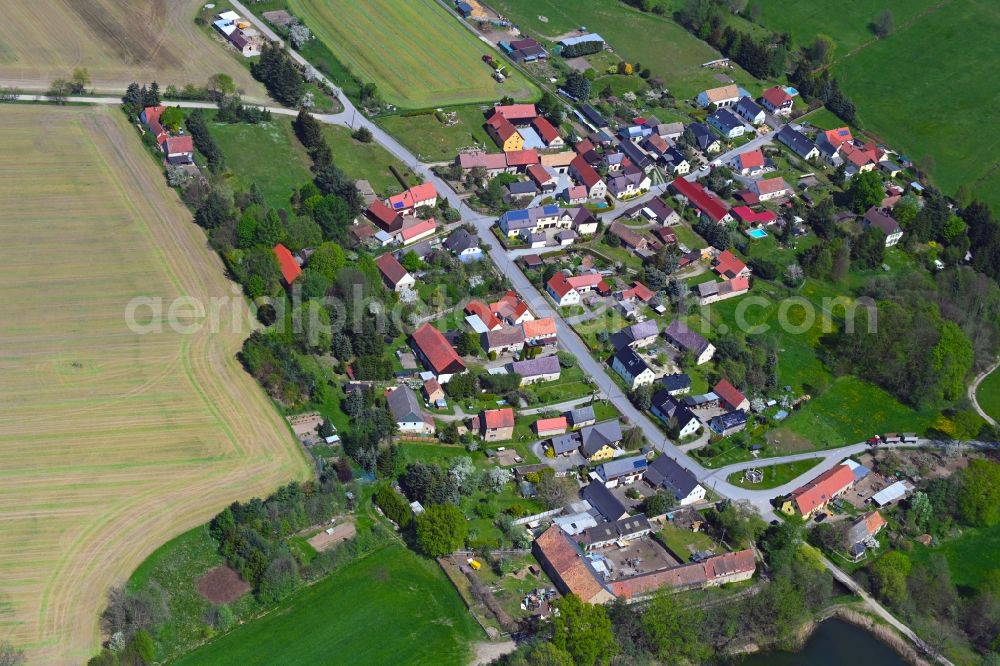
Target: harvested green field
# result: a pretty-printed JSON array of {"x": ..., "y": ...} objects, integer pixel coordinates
[
  {"x": 431, "y": 140},
  {"x": 252, "y": 151},
  {"x": 970, "y": 556},
  {"x": 389, "y": 607},
  {"x": 654, "y": 41},
  {"x": 988, "y": 394},
  {"x": 926, "y": 89},
  {"x": 415, "y": 51},
  {"x": 774, "y": 475},
  {"x": 114, "y": 439}
]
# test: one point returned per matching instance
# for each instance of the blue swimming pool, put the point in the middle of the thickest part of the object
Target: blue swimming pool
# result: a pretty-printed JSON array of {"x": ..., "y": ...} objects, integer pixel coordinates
[{"x": 756, "y": 233}]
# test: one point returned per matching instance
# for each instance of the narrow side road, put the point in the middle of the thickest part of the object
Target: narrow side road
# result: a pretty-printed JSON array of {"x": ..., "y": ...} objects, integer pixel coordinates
[{"x": 974, "y": 387}]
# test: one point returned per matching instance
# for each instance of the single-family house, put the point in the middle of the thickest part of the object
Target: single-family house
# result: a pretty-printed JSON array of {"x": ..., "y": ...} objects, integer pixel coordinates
[
  {"x": 670, "y": 131},
  {"x": 545, "y": 181},
  {"x": 414, "y": 229},
  {"x": 583, "y": 221},
  {"x": 753, "y": 217},
  {"x": 539, "y": 332},
  {"x": 730, "y": 397},
  {"x": 750, "y": 163},
  {"x": 178, "y": 149},
  {"x": 587, "y": 176},
  {"x": 665, "y": 407},
  {"x": 675, "y": 162},
  {"x": 628, "y": 184},
  {"x": 632, "y": 368},
  {"x": 656, "y": 145},
  {"x": 394, "y": 275},
  {"x": 436, "y": 353},
  {"x": 621, "y": 471},
  {"x": 637, "y": 336},
  {"x": 728, "y": 265},
  {"x": 798, "y": 143},
  {"x": 708, "y": 204},
  {"x": 504, "y": 133},
  {"x": 771, "y": 188},
  {"x": 534, "y": 370},
  {"x": 417, "y": 196},
  {"x": 524, "y": 222},
  {"x": 512, "y": 309},
  {"x": 150, "y": 117},
  {"x": 860, "y": 157},
  {"x": 636, "y": 292},
  {"x": 565, "y": 444},
  {"x": 685, "y": 340},
  {"x": 728, "y": 123},
  {"x": 568, "y": 290},
  {"x": 433, "y": 391},
  {"x": 637, "y": 156},
  {"x": 750, "y": 111},
  {"x": 495, "y": 425},
  {"x": 582, "y": 417},
  {"x": 729, "y": 423},
  {"x": 464, "y": 245},
  {"x": 880, "y": 218},
  {"x": 704, "y": 138},
  {"x": 722, "y": 96},
  {"x": 863, "y": 532},
  {"x": 712, "y": 292},
  {"x": 480, "y": 317},
  {"x": 600, "y": 441},
  {"x": 290, "y": 269},
  {"x": 549, "y": 427},
  {"x": 777, "y": 101},
  {"x": 830, "y": 141},
  {"x": 817, "y": 493},
  {"x": 575, "y": 194},
  {"x": 410, "y": 418},
  {"x": 508, "y": 339},
  {"x": 676, "y": 384},
  {"x": 666, "y": 473}
]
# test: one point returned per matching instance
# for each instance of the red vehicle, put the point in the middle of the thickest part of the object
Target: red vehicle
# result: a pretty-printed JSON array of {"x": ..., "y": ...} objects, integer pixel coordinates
[
  {"x": 875, "y": 441},
  {"x": 488, "y": 59}
]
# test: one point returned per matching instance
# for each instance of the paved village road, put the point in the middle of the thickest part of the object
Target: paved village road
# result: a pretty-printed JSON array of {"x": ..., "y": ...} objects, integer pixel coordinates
[{"x": 974, "y": 386}]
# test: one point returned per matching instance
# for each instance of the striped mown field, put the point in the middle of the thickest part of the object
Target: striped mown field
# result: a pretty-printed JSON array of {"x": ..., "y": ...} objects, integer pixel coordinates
[
  {"x": 413, "y": 50},
  {"x": 112, "y": 442},
  {"x": 118, "y": 41}
]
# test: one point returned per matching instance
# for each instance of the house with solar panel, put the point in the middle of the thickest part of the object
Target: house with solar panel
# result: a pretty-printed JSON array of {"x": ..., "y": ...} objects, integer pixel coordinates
[{"x": 621, "y": 471}]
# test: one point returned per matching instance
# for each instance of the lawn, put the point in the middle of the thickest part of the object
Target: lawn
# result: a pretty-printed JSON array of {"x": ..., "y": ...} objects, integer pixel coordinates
[
  {"x": 970, "y": 556},
  {"x": 926, "y": 88},
  {"x": 388, "y": 604},
  {"x": 416, "y": 52},
  {"x": 684, "y": 543},
  {"x": 113, "y": 441},
  {"x": 368, "y": 161},
  {"x": 252, "y": 151},
  {"x": 988, "y": 394},
  {"x": 430, "y": 139},
  {"x": 851, "y": 410},
  {"x": 656, "y": 42},
  {"x": 774, "y": 475}
]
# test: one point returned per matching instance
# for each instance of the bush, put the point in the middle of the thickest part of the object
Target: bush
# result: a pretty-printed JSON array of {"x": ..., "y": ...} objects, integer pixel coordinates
[
  {"x": 441, "y": 529},
  {"x": 393, "y": 505}
]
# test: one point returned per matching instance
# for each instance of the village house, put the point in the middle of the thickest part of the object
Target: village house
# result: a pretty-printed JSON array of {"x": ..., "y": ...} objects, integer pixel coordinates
[
  {"x": 777, "y": 101},
  {"x": 654, "y": 210},
  {"x": 569, "y": 290},
  {"x": 495, "y": 425},
  {"x": 708, "y": 204},
  {"x": 539, "y": 332},
  {"x": 558, "y": 162},
  {"x": 433, "y": 391},
  {"x": 638, "y": 158},
  {"x": 493, "y": 163},
  {"x": 636, "y": 336},
  {"x": 814, "y": 495},
  {"x": 728, "y": 265},
  {"x": 414, "y": 230},
  {"x": 600, "y": 441},
  {"x": 676, "y": 384},
  {"x": 750, "y": 111},
  {"x": 564, "y": 562},
  {"x": 797, "y": 142},
  {"x": 860, "y": 157},
  {"x": 550, "y": 427},
  {"x": 704, "y": 138},
  {"x": 406, "y": 411},
  {"x": 464, "y": 245},
  {"x": 685, "y": 340},
  {"x": 535, "y": 370},
  {"x": 728, "y": 423},
  {"x": 621, "y": 531},
  {"x": 712, "y": 292},
  {"x": 628, "y": 184},
  {"x": 178, "y": 150},
  {"x": 670, "y": 131},
  {"x": 480, "y": 317},
  {"x": 750, "y": 163},
  {"x": 526, "y": 221},
  {"x": 586, "y": 175},
  {"x": 665, "y": 473},
  {"x": 505, "y": 340},
  {"x": 728, "y": 124},
  {"x": 436, "y": 353},
  {"x": 862, "y": 532},
  {"x": 582, "y": 417},
  {"x": 602, "y": 500},
  {"x": 511, "y": 309},
  {"x": 730, "y": 397},
  {"x": 771, "y": 188},
  {"x": 549, "y": 134},
  {"x": 630, "y": 367},
  {"x": 290, "y": 269},
  {"x": 417, "y": 196},
  {"x": 719, "y": 97},
  {"x": 519, "y": 160},
  {"x": 384, "y": 217},
  {"x": 394, "y": 275},
  {"x": 881, "y": 219},
  {"x": 545, "y": 181},
  {"x": 754, "y": 218},
  {"x": 665, "y": 407},
  {"x": 829, "y": 142},
  {"x": 621, "y": 471},
  {"x": 674, "y": 162},
  {"x": 504, "y": 133}
]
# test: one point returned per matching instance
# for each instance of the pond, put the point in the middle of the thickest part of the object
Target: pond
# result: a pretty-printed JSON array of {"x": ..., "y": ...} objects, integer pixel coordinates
[{"x": 834, "y": 643}]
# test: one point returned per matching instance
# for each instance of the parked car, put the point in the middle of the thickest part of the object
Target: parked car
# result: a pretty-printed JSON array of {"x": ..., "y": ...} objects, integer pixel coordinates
[{"x": 820, "y": 517}]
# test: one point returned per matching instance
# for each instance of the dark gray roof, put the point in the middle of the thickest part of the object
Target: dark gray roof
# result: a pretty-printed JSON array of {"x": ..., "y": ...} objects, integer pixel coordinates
[
  {"x": 604, "y": 501},
  {"x": 631, "y": 361},
  {"x": 797, "y": 141},
  {"x": 666, "y": 473},
  {"x": 544, "y": 365},
  {"x": 634, "y": 153},
  {"x": 702, "y": 135},
  {"x": 622, "y": 466},
  {"x": 522, "y": 187},
  {"x": 404, "y": 406},
  {"x": 681, "y": 336},
  {"x": 726, "y": 119},
  {"x": 748, "y": 107},
  {"x": 582, "y": 415},
  {"x": 667, "y": 406},
  {"x": 644, "y": 329},
  {"x": 880, "y": 218},
  {"x": 676, "y": 381},
  {"x": 611, "y": 531},
  {"x": 565, "y": 443},
  {"x": 461, "y": 240},
  {"x": 593, "y": 115},
  {"x": 600, "y": 434},
  {"x": 728, "y": 420}
]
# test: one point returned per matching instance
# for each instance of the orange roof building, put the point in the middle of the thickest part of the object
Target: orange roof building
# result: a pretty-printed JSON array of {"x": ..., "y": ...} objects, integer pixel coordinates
[
  {"x": 515, "y": 112},
  {"x": 553, "y": 426},
  {"x": 816, "y": 494},
  {"x": 437, "y": 353},
  {"x": 565, "y": 563},
  {"x": 727, "y": 265},
  {"x": 419, "y": 195},
  {"x": 479, "y": 309},
  {"x": 511, "y": 308},
  {"x": 290, "y": 269},
  {"x": 539, "y": 330}
]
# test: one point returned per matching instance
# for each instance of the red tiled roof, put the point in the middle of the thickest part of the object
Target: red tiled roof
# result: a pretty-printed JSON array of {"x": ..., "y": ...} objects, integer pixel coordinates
[
  {"x": 836, "y": 137},
  {"x": 522, "y": 157},
  {"x": 539, "y": 328},
  {"x": 640, "y": 291},
  {"x": 777, "y": 96},
  {"x": 538, "y": 174},
  {"x": 687, "y": 575},
  {"x": 588, "y": 175},
  {"x": 153, "y": 114},
  {"x": 707, "y": 202},
  {"x": 559, "y": 285},
  {"x": 729, "y": 393},
  {"x": 289, "y": 269},
  {"x": 545, "y": 130},
  {"x": 658, "y": 142},
  {"x": 859, "y": 156},
  {"x": 587, "y": 280},
  {"x": 383, "y": 216},
  {"x": 874, "y": 522},
  {"x": 485, "y": 160},
  {"x": 728, "y": 265},
  {"x": 822, "y": 489},
  {"x": 437, "y": 350},
  {"x": 499, "y": 418},
  {"x": 515, "y": 111},
  {"x": 179, "y": 144},
  {"x": 412, "y": 196},
  {"x": 568, "y": 565},
  {"x": 418, "y": 228},
  {"x": 548, "y": 425},
  {"x": 480, "y": 309},
  {"x": 751, "y": 159},
  {"x": 583, "y": 147},
  {"x": 503, "y": 127},
  {"x": 391, "y": 269},
  {"x": 770, "y": 185},
  {"x": 750, "y": 216},
  {"x": 576, "y": 192}
]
